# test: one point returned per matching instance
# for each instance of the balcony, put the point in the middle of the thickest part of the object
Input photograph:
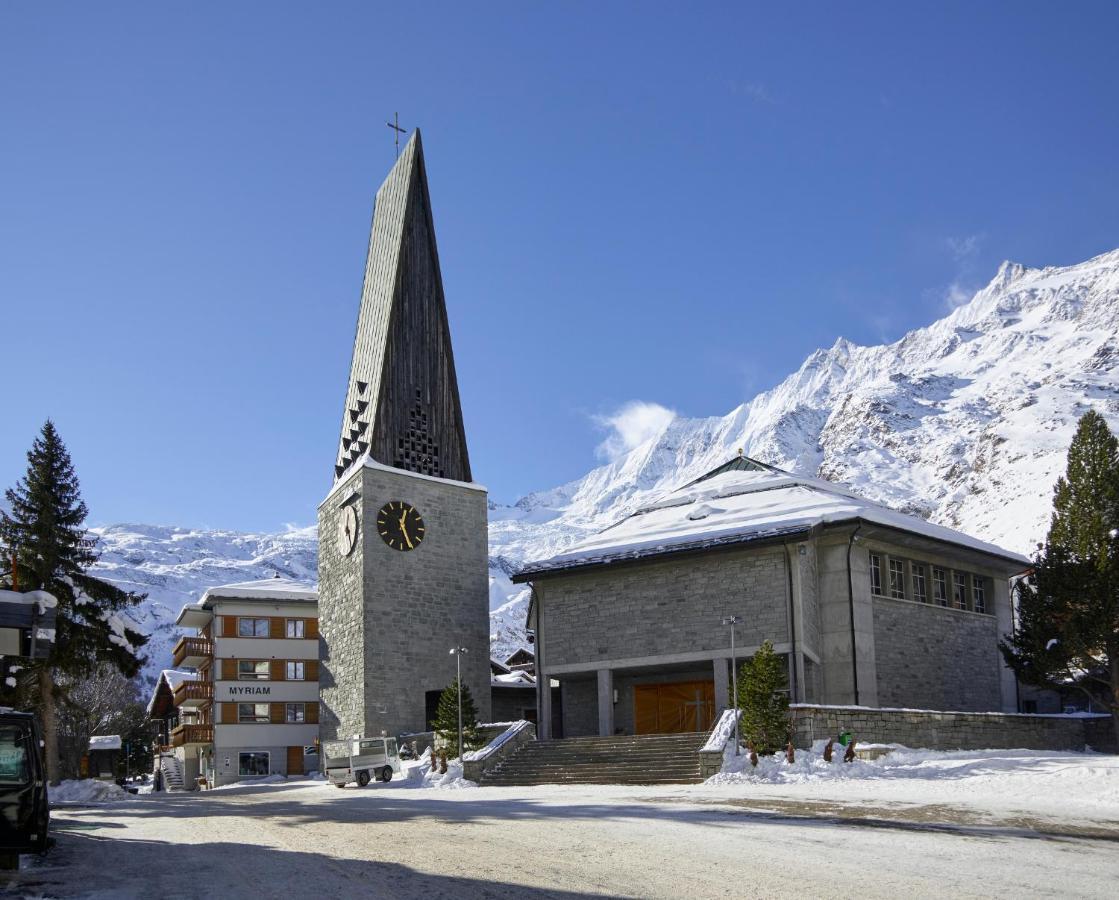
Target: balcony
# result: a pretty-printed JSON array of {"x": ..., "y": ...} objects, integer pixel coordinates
[
  {"x": 194, "y": 694},
  {"x": 184, "y": 735},
  {"x": 192, "y": 652}
]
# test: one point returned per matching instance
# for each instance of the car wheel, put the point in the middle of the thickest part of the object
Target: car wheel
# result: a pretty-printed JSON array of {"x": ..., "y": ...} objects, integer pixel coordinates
[
  {"x": 362, "y": 779},
  {"x": 386, "y": 773}
]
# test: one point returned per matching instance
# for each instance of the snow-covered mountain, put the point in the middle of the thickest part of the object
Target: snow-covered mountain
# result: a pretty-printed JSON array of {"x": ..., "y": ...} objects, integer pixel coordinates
[{"x": 965, "y": 422}]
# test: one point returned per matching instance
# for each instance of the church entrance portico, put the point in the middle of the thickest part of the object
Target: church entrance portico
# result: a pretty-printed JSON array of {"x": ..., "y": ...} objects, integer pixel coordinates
[{"x": 668, "y": 699}]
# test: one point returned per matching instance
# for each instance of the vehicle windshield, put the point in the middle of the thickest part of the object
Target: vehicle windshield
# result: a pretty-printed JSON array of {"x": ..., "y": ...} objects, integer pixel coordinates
[{"x": 14, "y": 741}]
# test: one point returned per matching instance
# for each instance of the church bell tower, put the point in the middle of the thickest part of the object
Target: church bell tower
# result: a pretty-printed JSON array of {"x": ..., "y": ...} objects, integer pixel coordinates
[{"x": 403, "y": 556}]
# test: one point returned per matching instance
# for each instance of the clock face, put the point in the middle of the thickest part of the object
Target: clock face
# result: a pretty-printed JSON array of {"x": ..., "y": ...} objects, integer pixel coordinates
[
  {"x": 347, "y": 530},
  {"x": 400, "y": 525}
]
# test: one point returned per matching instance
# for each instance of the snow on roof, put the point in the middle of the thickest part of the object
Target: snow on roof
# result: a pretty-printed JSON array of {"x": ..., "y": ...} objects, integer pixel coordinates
[
  {"x": 369, "y": 462},
  {"x": 735, "y": 505},
  {"x": 104, "y": 742},
  {"x": 512, "y": 679},
  {"x": 264, "y": 589},
  {"x": 173, "y": 678},
  {"x": 44, "y": 599}
]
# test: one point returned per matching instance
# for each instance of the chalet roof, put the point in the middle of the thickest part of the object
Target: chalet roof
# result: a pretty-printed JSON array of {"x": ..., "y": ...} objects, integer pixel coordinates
[
  {"x": 105, "y": 742},
  {"x": 740, "y": 502},
  {"x": 265, "y": 589},
  {"x": 172, "y": 678}
]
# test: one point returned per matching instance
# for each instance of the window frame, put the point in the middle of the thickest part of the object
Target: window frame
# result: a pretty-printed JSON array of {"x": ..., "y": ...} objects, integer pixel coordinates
[
  {"x": 959, "y": 583},
  {"x": 299, "y": 625},
  {"x": 256, "y": 674},
  {"x": 876, "y": 575},
  {"x": 295, "y": 665},
  {"x": 255, "y": 718},
  {"x": 940, "y": 586},
  {"x": 979, "y": 594},
  {"x": 241, "y": 767},
  {"x": 897, "y": 586},
  {"x": 256, "y": 621},
  {"x": 917, "y": 577},
  {"x": 302, "y": 713}
]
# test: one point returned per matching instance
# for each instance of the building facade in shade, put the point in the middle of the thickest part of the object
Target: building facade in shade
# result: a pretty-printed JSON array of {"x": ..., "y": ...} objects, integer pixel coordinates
[
  {"x": 252, "y": 708},
  {"x": 868, "y": 606},
  {"x": 403, "y": 557}
]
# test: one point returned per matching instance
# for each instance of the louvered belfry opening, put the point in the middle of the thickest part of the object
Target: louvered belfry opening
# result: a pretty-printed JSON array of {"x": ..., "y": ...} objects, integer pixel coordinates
[
  {"x": 402, "y": 405},
  {"x": 417, "y": 450}
]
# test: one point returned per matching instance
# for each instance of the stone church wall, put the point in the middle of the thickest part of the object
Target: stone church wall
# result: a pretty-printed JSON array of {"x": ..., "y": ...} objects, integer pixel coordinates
[
  {"x": 340, "y": 626},
  {"x": 936, "y": 730},
  {"x": 661, "y": 608},
  {"x": 931, "y": 657}
]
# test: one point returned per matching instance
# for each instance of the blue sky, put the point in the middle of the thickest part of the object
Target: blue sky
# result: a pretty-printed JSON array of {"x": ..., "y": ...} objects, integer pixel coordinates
[{"x": 669, "y": 203}]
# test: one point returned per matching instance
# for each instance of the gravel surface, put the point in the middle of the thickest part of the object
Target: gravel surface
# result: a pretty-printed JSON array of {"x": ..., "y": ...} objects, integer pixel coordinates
[{"x": 303, "y": 838}]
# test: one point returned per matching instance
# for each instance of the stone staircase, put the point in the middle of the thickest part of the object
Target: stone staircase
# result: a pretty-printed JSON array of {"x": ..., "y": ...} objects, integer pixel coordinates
[
  {"x": 172, "y": 775},
  {"x": 624, "y": 759}
]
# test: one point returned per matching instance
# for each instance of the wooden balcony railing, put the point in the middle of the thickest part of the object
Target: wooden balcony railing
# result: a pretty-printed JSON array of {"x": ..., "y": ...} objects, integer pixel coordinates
[
  {"x": 194, "y": 690},
  {"x": 192, "y": 734},
  {"x": 195, "y": 649}
]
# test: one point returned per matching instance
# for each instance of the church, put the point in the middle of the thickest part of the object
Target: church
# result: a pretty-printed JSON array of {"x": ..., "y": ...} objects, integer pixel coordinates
[
  {"x": 403, "y": 556},
  {"x": 637, "y": 625},
  {"x": 867, "y": 605}
]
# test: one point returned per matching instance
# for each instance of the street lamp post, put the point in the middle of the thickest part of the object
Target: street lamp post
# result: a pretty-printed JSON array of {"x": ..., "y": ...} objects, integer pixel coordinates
[
  {"x": 732, "y": 621},
  {"x": 457, "y": 652}
]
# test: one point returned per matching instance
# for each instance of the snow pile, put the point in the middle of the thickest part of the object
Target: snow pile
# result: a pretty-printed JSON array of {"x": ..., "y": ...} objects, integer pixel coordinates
[
  {"x": 43, "y": 599},
  {"x": 422, "y": 774},
  {"x": 1064, "y": 783},
  {"x": 87, "y": 791},
  {"x": 105, "y": 742}
]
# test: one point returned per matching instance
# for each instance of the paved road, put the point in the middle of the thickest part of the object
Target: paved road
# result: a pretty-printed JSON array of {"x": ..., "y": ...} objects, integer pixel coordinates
[{"x": 308, "y": 839}]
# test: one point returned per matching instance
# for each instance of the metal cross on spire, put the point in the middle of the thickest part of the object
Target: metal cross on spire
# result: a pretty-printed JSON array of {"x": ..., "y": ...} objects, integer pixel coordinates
[{"x": 395, "y": 126}]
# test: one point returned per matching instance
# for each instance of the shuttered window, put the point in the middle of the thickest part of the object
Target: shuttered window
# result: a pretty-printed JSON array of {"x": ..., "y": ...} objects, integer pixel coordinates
[
  {"x": 294, "y": 713},
  {"x": 252, "y": 712},
  {"x": 252, "y": 627},
  {"x": 294, "y": 671}
]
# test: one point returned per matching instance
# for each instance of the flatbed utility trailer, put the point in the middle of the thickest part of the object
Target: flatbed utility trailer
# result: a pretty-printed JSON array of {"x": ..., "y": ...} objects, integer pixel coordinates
[{"x": 360, "y": 760}]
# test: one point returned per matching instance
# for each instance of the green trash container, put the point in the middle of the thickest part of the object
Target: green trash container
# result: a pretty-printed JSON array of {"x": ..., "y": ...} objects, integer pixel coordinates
[{"x": 845, "y": 738}]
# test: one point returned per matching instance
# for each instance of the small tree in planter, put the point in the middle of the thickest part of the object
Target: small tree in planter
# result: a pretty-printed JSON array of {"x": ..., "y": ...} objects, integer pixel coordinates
[
  {"x": 764, "y": 702},
  {"x": 446, "y": 718}
]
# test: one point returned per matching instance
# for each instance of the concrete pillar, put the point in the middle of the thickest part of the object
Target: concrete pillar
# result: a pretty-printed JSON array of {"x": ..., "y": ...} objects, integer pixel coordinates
[
  {"x": 1004, "y": 615},
  {"x": 605, "y": 702},
  {"x": 722, "y": 685},
  {"x": 543, "y": 706}
]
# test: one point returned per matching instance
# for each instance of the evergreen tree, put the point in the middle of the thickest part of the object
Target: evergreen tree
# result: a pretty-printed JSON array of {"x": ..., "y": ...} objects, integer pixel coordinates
[
  {"x": 764, "y": 701},
  {"x": 51, "y": 551},
  {"x": 1067, "y": 632},
  {"x": 446, "y": 717}
]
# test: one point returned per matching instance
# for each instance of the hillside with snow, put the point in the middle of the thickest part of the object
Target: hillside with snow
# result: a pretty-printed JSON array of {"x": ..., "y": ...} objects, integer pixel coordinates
[{"x": 965, "y": 422}]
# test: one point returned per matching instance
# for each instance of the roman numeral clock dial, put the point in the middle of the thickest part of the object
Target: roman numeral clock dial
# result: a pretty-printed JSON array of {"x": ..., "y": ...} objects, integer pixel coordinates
[{"x": 400, "y": 525}]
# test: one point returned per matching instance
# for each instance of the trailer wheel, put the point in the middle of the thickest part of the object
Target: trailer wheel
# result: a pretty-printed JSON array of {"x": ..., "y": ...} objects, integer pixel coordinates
[
  {"x": 362, "y": 779},
  {"x": 386, "y": 773},
  {"x": 337, "y": 785}
]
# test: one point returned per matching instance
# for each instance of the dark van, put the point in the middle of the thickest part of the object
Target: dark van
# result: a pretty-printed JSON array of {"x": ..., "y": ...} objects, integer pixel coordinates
[{"x": 24, "y": 813}]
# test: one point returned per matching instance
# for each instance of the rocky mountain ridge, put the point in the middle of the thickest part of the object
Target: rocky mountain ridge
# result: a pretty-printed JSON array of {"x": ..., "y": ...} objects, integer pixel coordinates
[{"x": 965, "y": 422}]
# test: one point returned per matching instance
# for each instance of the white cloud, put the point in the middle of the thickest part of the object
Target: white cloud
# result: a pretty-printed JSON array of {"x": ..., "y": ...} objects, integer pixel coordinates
[
  {"x": 956, "y": 295},
  {"x": 964, "y": 247},
  {"x": 630, "y": 426}
]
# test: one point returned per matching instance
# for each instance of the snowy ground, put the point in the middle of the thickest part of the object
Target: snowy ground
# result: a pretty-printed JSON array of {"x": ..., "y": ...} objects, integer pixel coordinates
[{"x": 1000, "y": 823}]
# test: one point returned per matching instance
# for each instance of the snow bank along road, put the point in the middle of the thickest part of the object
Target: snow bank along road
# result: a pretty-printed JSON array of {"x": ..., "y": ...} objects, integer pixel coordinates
[{"x": 976, "y": 831}]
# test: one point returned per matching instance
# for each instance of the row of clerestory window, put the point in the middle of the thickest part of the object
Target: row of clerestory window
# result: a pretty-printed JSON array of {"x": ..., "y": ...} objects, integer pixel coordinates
[{"x": 907, "y": 579}]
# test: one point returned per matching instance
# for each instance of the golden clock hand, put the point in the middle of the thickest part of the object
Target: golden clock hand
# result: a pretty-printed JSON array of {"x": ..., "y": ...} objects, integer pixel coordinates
[{"x": 404, "y": 531}]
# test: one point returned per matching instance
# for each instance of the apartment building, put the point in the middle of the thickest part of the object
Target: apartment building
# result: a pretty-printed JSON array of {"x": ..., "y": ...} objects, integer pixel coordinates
[{"x": 253, "y": 709}]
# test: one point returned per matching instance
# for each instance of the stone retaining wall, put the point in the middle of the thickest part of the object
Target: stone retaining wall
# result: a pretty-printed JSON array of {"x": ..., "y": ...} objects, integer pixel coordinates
[{"x": 937, "y": 730}]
